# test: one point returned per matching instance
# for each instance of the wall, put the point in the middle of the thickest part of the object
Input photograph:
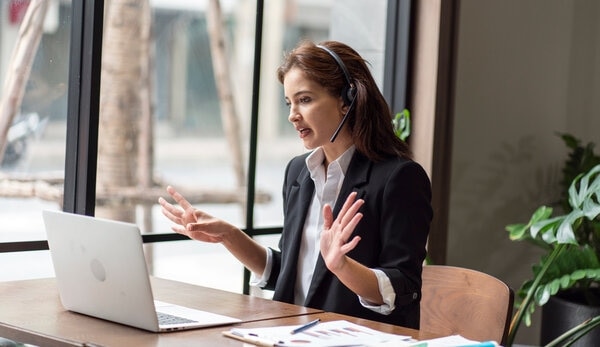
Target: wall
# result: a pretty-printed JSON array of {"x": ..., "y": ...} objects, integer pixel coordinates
[{"x": 525, "y": 70}]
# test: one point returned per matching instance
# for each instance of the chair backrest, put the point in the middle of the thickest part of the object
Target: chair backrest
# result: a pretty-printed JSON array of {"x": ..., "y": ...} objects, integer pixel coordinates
[{"x": 462, "y": 301}]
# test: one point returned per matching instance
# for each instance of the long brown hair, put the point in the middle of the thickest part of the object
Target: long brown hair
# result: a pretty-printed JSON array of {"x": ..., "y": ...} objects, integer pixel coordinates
[{"x": 370, "y": 121}]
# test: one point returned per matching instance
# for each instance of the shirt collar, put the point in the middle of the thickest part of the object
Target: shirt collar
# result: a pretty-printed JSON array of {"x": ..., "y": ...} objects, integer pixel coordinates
[{"x": 315, "y": 160}]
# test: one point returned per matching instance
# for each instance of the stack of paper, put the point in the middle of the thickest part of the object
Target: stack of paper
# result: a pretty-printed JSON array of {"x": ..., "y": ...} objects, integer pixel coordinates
[
  {"x": 341, "y": 333},
  {"x": 327, "y": 334}
]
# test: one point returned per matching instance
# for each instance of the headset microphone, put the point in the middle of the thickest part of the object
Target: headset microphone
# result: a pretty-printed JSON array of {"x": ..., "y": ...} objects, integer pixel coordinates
[
  {"x": 337, "y": 131},
  {"x": 348, "y": 92}
]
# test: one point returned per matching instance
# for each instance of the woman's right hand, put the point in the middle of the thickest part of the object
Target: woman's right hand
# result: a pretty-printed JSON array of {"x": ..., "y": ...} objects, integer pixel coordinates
[{"x": 192, "y": 222}]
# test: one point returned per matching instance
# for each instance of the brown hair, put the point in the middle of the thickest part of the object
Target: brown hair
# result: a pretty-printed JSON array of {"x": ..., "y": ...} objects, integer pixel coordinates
[{"x": 370, "y": 122}]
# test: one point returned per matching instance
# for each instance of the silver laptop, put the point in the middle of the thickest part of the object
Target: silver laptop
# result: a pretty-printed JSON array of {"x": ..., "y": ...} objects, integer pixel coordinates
[{"x": 101, "y": 272}]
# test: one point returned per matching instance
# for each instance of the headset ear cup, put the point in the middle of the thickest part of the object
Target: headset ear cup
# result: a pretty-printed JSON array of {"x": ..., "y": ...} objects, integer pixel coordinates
[
  {"x": 348, "y": 94},
  {"x": 351, "y": 94}
]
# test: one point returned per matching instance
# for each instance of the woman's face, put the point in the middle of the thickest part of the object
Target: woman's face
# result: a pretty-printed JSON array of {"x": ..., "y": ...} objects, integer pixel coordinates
[{"x": 313, "y": 111}]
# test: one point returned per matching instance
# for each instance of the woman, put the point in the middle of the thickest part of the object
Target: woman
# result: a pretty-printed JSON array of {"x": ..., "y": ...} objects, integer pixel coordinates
[{"x": 356, "y": 208}]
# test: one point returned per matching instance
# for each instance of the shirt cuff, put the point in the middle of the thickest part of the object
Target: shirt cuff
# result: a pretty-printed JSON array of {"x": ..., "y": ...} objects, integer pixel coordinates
[
  {"x": 261, "y": 280},
  {"x": 387, "y": 293}
]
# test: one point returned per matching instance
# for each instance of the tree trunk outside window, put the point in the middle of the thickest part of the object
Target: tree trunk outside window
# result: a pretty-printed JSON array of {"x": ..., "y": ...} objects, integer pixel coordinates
[{"x": 122, "y": 100}]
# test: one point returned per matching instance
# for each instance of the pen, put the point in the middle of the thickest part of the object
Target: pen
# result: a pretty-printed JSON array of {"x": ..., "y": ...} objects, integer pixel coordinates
[{"x": 306, "y": 326}]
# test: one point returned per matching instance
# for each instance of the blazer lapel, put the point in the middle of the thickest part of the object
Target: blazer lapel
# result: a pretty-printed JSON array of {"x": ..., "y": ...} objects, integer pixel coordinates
[
  {"x": 304, "y": 189},
  {"x": 355, "y": 180},
  {"x": 357, "y": 177}
]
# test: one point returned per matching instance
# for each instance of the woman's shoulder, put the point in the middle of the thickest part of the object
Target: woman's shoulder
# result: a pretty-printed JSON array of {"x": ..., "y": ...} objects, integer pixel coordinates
[
  {"x": 299, "y": 159},
  {"x": 296, "y": 164},
  {"x": 399, "y": 165},
  {"x": 388, "y": 161}
]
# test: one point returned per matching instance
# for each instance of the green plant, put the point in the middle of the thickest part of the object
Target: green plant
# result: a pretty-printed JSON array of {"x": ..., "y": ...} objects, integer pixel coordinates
[
  {"x": 580, "y": 159},
  {"x": 570, "y": 240},
  {"x": 401, "y": 124}
]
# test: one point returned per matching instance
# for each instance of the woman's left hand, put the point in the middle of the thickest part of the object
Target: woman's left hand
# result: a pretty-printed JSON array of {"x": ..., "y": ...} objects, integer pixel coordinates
[{"x": 335, "y": 234}]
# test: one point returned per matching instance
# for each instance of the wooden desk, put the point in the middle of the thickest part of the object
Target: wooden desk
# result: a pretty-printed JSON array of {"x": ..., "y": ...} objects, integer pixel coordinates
[{"x": 31, "y": 312}]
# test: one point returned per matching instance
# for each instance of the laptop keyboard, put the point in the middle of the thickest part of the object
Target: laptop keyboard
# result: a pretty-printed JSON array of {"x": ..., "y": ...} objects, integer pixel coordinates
[{"x": 167, "y": 319}]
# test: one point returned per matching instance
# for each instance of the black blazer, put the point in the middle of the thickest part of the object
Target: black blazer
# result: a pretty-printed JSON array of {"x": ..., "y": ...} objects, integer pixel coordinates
[{"x": 394, "y": 228}]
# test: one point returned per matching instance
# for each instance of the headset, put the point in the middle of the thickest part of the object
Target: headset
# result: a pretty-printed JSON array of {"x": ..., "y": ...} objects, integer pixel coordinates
[{"x": 348, "y": 91}]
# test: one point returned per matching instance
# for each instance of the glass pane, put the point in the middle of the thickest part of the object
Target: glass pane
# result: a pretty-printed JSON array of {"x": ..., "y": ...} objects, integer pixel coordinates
[
  {"x": 34, "y": 63},
  {"x": 163, "y": 122}
]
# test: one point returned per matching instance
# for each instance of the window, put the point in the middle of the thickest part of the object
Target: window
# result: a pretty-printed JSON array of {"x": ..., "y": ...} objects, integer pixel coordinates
[{"x": 170, "y": 98}]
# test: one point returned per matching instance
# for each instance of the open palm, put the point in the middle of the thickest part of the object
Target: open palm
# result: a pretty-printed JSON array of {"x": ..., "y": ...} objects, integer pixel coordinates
[{"x": 336, "y": 233}]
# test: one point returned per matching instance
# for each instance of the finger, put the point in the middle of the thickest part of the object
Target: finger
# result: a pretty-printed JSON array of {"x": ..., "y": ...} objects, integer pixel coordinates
[
  {"x": 349, "y": 228},
  {"x": 170, "y": 209},
  {"x": 350, "y": 213},
  {"x": 181, "y": 201},
  {"x": 349, "y": 201},
  {"x": 165, "y": 204},
  {"x": 347, "y": 247},
  {"x": 327, "y": 216},
  {"x": 175, "y": 218}
]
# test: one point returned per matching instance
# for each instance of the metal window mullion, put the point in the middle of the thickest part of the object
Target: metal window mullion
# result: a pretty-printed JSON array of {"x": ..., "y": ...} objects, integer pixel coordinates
[
  {"x": 397, "y": 57},
  {"x": 251, "y": 190},
  {"x": 85, "y": 59}
]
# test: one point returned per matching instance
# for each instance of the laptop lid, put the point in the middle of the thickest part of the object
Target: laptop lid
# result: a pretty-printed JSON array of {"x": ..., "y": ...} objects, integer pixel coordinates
[{"x": 101, "y": 271}]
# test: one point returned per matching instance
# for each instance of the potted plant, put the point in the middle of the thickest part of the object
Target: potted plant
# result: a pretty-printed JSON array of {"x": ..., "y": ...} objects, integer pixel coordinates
[{"x": 571, "y": 263}]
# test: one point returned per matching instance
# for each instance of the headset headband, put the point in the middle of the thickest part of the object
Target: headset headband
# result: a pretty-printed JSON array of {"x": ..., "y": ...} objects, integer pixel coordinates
[{"x": 349, "y": 91}]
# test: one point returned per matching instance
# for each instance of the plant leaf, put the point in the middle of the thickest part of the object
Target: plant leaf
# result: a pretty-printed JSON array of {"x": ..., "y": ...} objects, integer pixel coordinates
[
  {"x": 573, "y": 265},
  {"x": 591, "y": 209},
  {"x": 565, "y": 233},
  {"x": 586, "y": 191},
  {"x": 401, "y": 123},
  {"x": 543, "y": 225},
  {"x": 565, "y": 281},
  {"x": 517, "y": 232},
  {"x": 542, "y": 295},
  {"x": 577, "y": 275},
  {"x": 554, "y": 286}
]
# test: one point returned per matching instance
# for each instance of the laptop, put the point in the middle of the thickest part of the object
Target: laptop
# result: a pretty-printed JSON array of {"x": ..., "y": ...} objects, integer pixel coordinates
[{"x": 101, "y": 272}]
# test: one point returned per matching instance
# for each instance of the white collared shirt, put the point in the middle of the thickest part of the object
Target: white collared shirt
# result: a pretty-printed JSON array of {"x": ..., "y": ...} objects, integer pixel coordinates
[{"x": 327, "y": 189}]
